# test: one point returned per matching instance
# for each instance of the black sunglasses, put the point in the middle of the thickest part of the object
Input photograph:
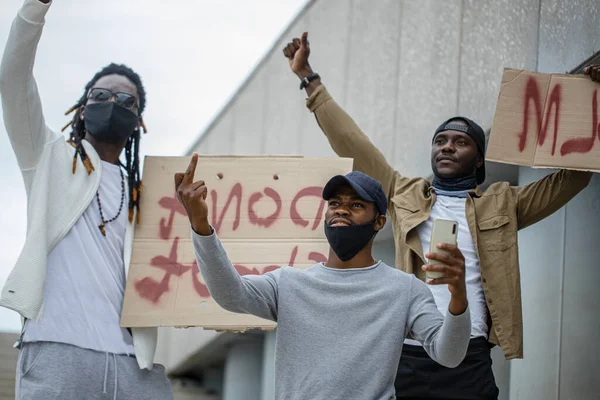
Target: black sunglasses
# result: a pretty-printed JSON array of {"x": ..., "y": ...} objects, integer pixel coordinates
[{"x": 121, "y": 98}]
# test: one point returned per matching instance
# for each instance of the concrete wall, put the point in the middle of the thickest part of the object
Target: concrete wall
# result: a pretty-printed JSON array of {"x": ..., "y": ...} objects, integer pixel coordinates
[
  {"x": 560, "y": 272},
  {"x": 400, "y": 67},
  {"x": 243, "y": 371},
  {"x": 559, "y": 256},
  {"x": 178, "y": 345}
]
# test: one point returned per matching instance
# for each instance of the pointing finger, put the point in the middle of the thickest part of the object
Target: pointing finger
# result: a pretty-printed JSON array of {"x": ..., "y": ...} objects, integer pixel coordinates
[{"x": 191, "y": 170}]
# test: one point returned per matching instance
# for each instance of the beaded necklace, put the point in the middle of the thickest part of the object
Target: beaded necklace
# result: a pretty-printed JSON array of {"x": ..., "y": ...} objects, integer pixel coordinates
[{"x": 104, "y": 221}]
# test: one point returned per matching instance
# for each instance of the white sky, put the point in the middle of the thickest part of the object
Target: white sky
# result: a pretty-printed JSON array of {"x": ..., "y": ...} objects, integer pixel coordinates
[{"x": 191, "y": 54}]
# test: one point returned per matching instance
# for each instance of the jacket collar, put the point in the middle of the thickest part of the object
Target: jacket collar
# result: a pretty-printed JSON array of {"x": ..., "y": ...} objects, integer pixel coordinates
[{"x": 477, "y": 192}]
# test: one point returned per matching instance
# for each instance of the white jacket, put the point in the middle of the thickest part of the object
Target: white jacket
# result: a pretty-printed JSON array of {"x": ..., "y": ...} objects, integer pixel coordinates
[{"x": 56, "y": 197}]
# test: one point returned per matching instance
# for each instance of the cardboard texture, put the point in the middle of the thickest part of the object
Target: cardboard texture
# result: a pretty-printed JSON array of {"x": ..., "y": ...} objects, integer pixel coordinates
[
  {"x": 546, "y": 121},
  {"x": 267, "y": 211}
]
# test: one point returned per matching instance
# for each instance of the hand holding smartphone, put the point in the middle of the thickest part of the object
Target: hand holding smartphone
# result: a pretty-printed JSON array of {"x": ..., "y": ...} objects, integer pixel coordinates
[{"x": 443, "y": 231}]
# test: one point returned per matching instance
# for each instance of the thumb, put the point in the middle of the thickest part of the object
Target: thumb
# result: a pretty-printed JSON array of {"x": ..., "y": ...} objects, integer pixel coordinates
[{"x": 304, "y": 40}]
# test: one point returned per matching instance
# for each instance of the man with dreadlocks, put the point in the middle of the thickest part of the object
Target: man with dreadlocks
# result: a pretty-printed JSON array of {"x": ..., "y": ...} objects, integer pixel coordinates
[{"x": 69, "y": 280}]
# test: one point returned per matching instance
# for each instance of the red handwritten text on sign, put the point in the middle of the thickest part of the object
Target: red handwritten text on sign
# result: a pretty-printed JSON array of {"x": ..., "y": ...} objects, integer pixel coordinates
[
  {"x": 532, "y": 96},
  {"x": 152, "y": 290}
]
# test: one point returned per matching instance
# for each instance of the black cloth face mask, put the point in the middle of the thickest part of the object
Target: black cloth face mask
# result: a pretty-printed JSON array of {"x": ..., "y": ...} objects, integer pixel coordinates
[
  {"x": 347, "y": 241},
  {"x": 109, "y": 122}
]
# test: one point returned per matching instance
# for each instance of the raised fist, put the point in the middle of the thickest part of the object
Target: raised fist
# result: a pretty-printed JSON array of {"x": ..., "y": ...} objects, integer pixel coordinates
[{"x": 297, "y": 52}]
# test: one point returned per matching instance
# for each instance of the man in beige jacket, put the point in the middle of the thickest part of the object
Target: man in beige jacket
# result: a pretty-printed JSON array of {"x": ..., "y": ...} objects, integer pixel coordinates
[{"x": 488, "y": 224}]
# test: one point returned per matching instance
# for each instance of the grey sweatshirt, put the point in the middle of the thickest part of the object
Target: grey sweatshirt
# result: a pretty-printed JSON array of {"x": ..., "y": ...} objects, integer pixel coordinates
[{"x": 339, "y": 331}]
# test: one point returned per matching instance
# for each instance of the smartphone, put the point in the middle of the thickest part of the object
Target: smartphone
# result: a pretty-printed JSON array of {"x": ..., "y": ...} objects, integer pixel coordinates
[{"x": 443, "y": 231}]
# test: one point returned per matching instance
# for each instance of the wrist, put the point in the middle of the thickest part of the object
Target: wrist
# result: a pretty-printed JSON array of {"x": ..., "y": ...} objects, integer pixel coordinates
[
  {"x": 313, "y": 79},
  {"x": 304, "y": 72},
  {"x": 458, "y": 304},
  {"x": 202, "y": 227}
]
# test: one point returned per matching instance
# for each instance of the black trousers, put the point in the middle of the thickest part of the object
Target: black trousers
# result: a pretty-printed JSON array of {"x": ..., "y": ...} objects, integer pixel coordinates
[{"x": 421, "y": 378}]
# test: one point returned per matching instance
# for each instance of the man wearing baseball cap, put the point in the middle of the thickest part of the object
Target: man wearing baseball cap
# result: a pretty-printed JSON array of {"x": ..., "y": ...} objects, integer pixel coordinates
[
  {"x": 340, "y": 324},
  {"x": 488, "y": 224}
]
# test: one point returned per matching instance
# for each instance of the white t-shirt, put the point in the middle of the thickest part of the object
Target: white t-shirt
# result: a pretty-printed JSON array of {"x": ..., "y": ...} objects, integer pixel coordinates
[
  {"x": 453, "y": 208},
  {"x": 85, "y": 278}
]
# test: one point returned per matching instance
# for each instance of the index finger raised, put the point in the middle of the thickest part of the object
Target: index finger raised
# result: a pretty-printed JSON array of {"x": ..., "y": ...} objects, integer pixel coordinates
[{"x": 188, "y": 177}]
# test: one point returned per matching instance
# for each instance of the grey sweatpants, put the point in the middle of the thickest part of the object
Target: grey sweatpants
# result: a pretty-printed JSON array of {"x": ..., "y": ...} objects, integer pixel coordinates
[{"x": 48, "y": 370}]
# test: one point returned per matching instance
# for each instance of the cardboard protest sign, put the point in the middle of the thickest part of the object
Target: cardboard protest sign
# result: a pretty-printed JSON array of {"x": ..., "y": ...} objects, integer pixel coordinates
[
  {"x": 267, "y": 211},
  {"x": 546, "y": 121}
]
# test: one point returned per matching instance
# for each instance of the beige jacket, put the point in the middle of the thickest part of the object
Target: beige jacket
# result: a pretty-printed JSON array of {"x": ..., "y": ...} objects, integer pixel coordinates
[{"x": 494, "y": 217}]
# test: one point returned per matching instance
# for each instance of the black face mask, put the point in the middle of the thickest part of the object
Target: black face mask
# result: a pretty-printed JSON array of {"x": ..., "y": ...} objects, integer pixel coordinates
[
  {"x": 109, "y": 122},
  {"x": 347, "y": 241}
]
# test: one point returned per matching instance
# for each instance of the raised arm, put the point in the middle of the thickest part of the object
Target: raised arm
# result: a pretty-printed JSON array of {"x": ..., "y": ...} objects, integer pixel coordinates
[
  {"x": 249, "y": 294},
  {"x": 255, "y": 294},
  {"x": 21, "y": 103},
  {"x": 540, "y": 199},
  {"x": 344, "y": 135}
]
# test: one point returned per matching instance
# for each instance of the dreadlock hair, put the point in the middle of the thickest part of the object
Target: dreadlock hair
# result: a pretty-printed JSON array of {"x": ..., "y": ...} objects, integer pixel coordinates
[{"x": 131, "y": 147}]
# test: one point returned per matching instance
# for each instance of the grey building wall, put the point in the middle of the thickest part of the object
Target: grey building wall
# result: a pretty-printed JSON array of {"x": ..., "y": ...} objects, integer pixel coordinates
[
  {"x": 560, "y": 272},
  {"x": 400, "y": 67},
  {"x": 560, "y": 256},
  {"x": 243, "y": 371}
]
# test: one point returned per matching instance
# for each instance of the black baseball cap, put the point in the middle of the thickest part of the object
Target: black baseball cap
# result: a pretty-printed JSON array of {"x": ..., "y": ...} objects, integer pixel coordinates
[
  {"x": 366, "y": 188},
  {"x": 475, "y": 132}
]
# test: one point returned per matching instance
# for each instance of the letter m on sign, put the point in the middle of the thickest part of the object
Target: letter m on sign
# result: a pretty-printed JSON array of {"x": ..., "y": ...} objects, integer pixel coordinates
[{"x": 546, "y": 121}]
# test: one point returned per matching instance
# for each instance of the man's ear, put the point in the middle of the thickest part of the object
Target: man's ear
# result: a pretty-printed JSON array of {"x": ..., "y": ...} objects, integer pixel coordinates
[
  {"x": 479, "y": 162},
  {"x": 82, "y": 111},
  {"x": 380, "y": 222}
]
